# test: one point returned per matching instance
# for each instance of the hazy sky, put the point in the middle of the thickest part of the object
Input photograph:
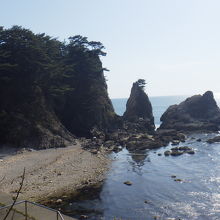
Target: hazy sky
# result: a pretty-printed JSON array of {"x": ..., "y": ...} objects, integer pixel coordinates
[{"x": 173, "y": 44}]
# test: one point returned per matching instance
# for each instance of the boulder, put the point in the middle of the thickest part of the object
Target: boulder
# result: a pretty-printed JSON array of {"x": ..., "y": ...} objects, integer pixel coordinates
[
  {"x": 139, "y": 110},
  {"x": 214, "y": 140},
  {"x": 177, "y": 151},
  {"x": 128, "y": 183},
  {"x": 142, "y": 142},
  {"x": 197, "y": 113},
  {"x": 167, "y": 153}
]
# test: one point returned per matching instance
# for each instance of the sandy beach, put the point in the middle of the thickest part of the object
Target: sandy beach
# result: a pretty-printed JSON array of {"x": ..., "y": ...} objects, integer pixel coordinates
[{"x": 52, "y": 172}]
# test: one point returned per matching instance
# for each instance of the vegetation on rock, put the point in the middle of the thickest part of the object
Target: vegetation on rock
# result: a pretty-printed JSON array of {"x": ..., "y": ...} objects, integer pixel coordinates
[
  {"x": 48, "y": 87},
  {"x": 139, "y": 108}
]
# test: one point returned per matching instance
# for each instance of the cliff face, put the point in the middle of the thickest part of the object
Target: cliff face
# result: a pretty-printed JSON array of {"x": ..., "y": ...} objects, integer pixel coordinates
[
  {"x": 49, "y": 90},
  {"x": 197, "y": 113},
  {"x": 27, "y": 121},
  {"x": 87, "y": 106},
  {"x": 139, "y": 109}
]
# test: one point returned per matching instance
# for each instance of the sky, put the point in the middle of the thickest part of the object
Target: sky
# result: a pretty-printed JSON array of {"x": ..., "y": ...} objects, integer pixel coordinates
[{"x": 173, "y": 44}]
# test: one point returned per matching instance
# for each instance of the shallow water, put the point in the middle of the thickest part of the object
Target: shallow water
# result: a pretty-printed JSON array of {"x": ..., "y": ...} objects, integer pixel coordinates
[{"x": 153, "y": 191}]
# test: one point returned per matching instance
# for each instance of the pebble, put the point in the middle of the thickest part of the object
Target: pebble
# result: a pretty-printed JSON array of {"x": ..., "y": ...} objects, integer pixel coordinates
[
  {"x": 128, "y": 183},
  {"x": 83, "y": 217},
  {"x": 59, "y": 201},
  {"x": 167, "y": 153}
]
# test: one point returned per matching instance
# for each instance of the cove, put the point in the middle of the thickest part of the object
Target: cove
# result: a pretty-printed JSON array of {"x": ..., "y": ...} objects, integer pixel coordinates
[{"x": 181, "y": 187}]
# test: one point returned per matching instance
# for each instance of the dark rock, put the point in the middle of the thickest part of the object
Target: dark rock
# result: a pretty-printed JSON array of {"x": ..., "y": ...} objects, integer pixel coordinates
[
  {"x": 167, "y": 153},
  {"x": 30, "y": 123},
  {"x": 94, "y": 151},
  {"x": 117, "y": 149},
  {"x": 109, "y": 143},
  {"x": 139, "y": 110},
  {"x": 59, "y": 201},
  {"x": 175, "y": 149},
  {"x": 159, "y": 154},
  {"x": 87, "y": 110},
  {"x": 143, "y": 144},
  {"x": 173, "y": 176},
  {"x": 169, "y": 135},
  {"x": 175, "y": 142},
  {"x": 190, "y": 152},
  {"x": 199, "y": 140},
  {"x": 178, "y": 180},
  {"x": 83, "y": 217},
  {"x": 185, "y": 148},
  {"x": 214, "y": 140},
  {"x": 128, "y": 183},
  {"x": 176, "y": 153},
  {"x": 197, "y": 113}
]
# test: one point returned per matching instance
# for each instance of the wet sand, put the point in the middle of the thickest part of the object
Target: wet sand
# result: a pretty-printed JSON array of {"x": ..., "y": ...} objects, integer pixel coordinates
[{"x": 52, "y": 173}]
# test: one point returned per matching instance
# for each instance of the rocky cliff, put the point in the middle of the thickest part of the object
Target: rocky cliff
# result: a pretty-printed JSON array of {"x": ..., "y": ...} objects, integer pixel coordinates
[
  {"x": 197, "y": 113},
  {"x": 27, "y": 121},
  {"x": 139, "y": 109},
  {"x": 50, "y": 90},
  {"x": 87, "y": 106}
]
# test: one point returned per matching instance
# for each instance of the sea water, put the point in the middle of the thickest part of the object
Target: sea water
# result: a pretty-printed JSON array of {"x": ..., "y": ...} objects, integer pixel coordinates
[
  {"x": 159, "y": 105},
  {"x": 154, "y": 193}
]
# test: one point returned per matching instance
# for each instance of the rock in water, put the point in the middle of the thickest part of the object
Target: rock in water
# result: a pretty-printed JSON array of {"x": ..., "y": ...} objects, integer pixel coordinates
[
  {"x": 128, "y": 183},
  {"x": 197, "y": 113},
  {"x": 139, "y": 109},
  {"x": 214, "y": 140}
]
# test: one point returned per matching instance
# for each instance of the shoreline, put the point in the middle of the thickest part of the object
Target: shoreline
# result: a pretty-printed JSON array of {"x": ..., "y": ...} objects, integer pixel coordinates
[{"x": 53, "y": 173}]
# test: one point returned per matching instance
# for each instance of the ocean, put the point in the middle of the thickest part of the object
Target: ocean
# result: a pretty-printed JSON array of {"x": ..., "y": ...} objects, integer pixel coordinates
[
  {"x": 154, "y": 194},
  {"x": 159, "y": 105}
]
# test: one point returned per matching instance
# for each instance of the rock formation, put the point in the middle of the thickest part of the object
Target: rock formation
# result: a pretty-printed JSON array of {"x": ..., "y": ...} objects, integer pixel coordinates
[
  {"x": 50, "y": 90},
  {"x": 139, "y": 109},
  {"x": 27, "y": 121},
  {"x": 197, "y": 113},
  {"x": 87, "y": 106}
]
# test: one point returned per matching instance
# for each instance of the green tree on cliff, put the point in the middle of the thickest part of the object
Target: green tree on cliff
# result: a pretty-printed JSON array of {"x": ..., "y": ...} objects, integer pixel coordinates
[
  {"x": 66, "y": 77},
  {"x": 141, "y": 83}
]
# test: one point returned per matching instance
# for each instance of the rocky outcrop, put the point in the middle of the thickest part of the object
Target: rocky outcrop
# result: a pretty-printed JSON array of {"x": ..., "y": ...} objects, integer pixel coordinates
[
  {"x": 87, "y": 107},
  {"x": 27, "y": 121},
  {"x": 50, "y": 90},
  {"x": 177, "y": 151},
  {"x": 197, "y": 113},
  {"x": 213, "y": 140},
  {"x": 138, "y": 114}
]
